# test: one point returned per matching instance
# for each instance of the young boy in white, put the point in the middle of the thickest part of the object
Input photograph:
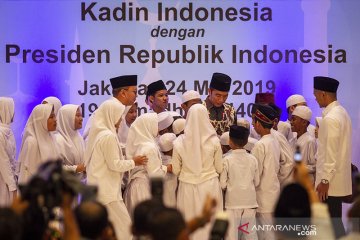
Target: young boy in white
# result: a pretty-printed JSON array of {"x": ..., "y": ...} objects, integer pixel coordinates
[
  {"x": 267, "y": 153},
  {"x": 300, "y": 120},
  {"x": 240, "y": 177}
]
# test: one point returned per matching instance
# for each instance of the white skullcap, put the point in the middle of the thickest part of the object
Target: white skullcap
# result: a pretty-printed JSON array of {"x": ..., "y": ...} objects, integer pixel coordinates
[
  {"x": 174, "y": 114},
  {"x": 224, "y": 139},
  {"x": 164, "y": 120},
  {"x": 243, "y": 122},
  {"x": 303, "y": 112},
  {"x": 190, "y": 95},
  {"x": 250, "y": 144},
  {"x": 294, "y": 99},
  {"x": 178, "y": 125},
  {"x": 166, "y": 142}
]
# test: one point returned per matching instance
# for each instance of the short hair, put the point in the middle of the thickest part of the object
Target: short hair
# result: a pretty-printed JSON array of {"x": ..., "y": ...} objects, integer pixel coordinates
[
  {"x": 116, "y": 91},
  {"x": 239, "y": 141},
  {"x": 166, "y": 224},
  {"x": 265, "y": 125},
  {"x": 92, "y": 218},
  {"x": 142, "y": 215}
]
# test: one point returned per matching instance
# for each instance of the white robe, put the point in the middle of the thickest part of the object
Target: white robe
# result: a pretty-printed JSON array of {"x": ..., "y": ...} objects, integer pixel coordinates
[
  {"x": 105, "y": 165},
  {"x": 197, "y": 160},
  {"x": 38, "y": 145},
  {"x": 267, "y": 153},
  {"x": 334, "y": 150},
  {"x": 307, "y": 145},
  {"x": 240, "y": 176},
  {"x": 141, "y": 141},
  {"x": 7, "y": 152},
  {"x": 286, "y": 159},
  {"x": 70, "y": 143}
]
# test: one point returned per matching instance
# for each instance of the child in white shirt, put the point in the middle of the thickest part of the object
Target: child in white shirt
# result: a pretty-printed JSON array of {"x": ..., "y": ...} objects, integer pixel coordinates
[{"x": 240, "y": 177}]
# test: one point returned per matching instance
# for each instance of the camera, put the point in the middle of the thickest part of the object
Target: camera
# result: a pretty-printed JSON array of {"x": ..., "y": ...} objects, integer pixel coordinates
[
  {"x": 220, "y": 226},
  {"x": 297, "y": 155},
  {"x": 44, "y": 192}
]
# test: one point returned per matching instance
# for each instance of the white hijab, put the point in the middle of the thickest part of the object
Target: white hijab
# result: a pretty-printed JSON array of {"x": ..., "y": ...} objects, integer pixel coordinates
[
  {"x": 198, "y": 133},
  {"x": 73, "y": 147},
  {"x": 142, "y": 132},
  {"x": 7, "y": 110},
  {"x": 37, "y": 128},
  {"x": 103, "y": 124},
  {"x": 54, "y": 101}
]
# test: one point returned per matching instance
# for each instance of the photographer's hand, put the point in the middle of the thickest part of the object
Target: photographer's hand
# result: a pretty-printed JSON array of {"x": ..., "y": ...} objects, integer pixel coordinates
[
  {"x": 80, "y": 168},
  {"x": 140, "y": 160},
  {"x": 18, "y": 205}
]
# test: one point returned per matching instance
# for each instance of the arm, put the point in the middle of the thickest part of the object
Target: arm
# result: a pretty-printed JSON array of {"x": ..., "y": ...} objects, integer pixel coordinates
[
  {"x": 154, "y": 165},
  {"x": 5, "y": 167},
  {"x": 113, "y": 157},
  {"x": 176, "y": 161},
  {"x": 218, "y": 159},
  {"x": 259, "y": 153},
  {"x": 256, "y": 174},
  {"x": 224, "y": 175},
  {"x": 309, "y": 152},
  {"x": 331, "y": 128}
]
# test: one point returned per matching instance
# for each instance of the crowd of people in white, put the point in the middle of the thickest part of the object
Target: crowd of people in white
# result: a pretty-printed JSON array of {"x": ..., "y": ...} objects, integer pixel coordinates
[{"x": 206, "y": 152}]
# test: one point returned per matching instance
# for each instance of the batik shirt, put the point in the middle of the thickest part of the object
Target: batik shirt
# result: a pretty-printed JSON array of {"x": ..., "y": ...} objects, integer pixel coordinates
[{"x": 220, "y": 117}]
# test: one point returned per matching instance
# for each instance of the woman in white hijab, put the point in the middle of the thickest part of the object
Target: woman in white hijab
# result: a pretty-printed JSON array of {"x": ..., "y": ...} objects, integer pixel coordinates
[
  {"x": 7, "y": 152},
  {"x": 141, "y": 141},
  {"x": 105, "y": 164},
  {"x": 38, "y": 145},
  {"x": 54, "y": 101},
  {"x": 70, "y": 143},
  {"x": 197, "y": 160}
]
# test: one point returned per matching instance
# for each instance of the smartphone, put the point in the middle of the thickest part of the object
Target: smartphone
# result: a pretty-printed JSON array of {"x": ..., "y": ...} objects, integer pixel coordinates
[{"x": 297, "y": 155}]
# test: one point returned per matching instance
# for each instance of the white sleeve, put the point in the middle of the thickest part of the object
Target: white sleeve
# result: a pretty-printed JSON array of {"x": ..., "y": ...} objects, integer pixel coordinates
[
  {"x": 218, "y": 159},
  {"x": 113, "y": 157},
  {"x": 154, "y": 165},
  {"x": 259, "y": 153},
  {"x": 176, "y": 161},
  {"x": 310, "y": 152},
  {"x": 224, "y": 174},
  {"x": 332, "y": 130},
  {"x": 5, "y": 167}
]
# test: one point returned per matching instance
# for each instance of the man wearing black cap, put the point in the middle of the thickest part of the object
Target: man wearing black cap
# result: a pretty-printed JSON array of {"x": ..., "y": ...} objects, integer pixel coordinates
[
  {"x": 267, "y": 153},
  {"x": 157, "y": 96},
  {"x": 222, "y": 115},
  {"x": 333, "y": 166},
  {"x": 124, "y": 89}
]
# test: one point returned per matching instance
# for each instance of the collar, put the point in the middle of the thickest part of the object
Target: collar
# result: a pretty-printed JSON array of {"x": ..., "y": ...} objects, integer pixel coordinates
[
  {"x": 209, "y": 104},
  {"x": 240, "y": 150},
  {"x": 330, "y": 107}
]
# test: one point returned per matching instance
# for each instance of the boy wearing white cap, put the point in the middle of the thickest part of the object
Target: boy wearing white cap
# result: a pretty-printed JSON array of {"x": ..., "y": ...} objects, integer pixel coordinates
[
  {"x": 189, "y": 98},
  {"x": 165, "y": 121},
  {"x": 300, "y": 120},
  {"x": 178, "y": 126},
  {"x": 291, "y": 103},
  {"x": 224, "y": 141},
  {"x": 170, "y": 181}
]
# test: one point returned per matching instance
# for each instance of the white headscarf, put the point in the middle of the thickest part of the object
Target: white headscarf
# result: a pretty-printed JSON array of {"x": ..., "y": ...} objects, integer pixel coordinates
[
  {"x": 103, "y": 124},
  {"x": 142, "y": 132},
  {"x": 198, "y": 133},
  {"x": 54, "y": 101},
  {"x": 37, "y": 128},
  {"x": 73, "y": 147},
  {"x": 7, "y": 110}
]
